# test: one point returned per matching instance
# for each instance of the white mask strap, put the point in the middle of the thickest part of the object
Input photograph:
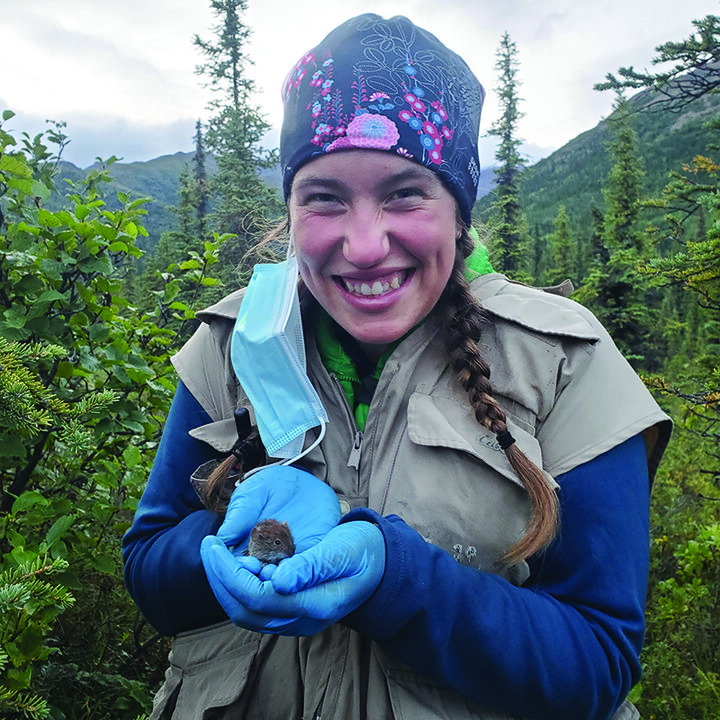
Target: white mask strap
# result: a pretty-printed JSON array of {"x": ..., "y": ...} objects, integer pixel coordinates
[{"x": 320, "y": 437}]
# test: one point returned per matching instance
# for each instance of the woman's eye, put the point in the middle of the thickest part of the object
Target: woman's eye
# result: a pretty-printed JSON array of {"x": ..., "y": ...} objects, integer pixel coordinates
[
  {"x": 409, "y": 193},
  {"x": 321, "y": 198}
]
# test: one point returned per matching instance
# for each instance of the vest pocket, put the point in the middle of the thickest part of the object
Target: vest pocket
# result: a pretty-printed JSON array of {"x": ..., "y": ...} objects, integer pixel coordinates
[
  {"x": 436, "y": 419},
  {"x": 208, "y": 670},
  {"x": 414, "y": 697}
]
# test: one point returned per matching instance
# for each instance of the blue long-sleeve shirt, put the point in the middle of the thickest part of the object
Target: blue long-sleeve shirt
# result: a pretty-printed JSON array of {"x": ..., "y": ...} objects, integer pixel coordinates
[{"x": 566, "y": 644}]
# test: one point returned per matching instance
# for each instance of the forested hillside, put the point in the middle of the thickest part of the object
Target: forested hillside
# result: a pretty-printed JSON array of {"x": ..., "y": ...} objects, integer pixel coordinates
[{"x": 573, "y": 175}]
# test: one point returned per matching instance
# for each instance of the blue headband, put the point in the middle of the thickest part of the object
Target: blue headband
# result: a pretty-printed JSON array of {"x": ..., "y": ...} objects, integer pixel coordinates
[{"x": 385, "y": 85}]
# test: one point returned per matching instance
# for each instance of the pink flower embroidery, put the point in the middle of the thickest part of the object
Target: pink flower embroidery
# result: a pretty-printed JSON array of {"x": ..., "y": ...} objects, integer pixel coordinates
[
  {"x": 378, "y": 96},
  {"x": 339, "y": 144},
  {"x": 323, "y": 129},
  {"x": 405, "y": 115},
  {"x": 430, "y": 129},
  {"x": 373, "y": 131},
  {"x": 440, "y": 110},
  {"x": 436, "y": 156},
  {"x": 402, "y": 151}
]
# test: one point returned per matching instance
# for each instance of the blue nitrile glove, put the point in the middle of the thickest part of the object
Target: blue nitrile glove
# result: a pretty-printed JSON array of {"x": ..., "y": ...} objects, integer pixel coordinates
[
  {"x": 306, "y": 592},
  {"x": 308, "y": 505}
]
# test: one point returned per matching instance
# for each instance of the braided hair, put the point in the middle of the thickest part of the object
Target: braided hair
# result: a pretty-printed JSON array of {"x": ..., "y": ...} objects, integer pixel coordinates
[{"x": 460, "y": 320}]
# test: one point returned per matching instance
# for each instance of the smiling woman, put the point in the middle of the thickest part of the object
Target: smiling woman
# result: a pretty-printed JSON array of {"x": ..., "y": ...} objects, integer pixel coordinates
[
  {"x": 375, "y": 236},
  {"x": 431, "y": 577}
]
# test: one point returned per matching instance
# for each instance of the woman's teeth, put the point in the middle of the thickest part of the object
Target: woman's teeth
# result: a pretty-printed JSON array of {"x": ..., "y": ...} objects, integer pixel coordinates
[{"x": 375, "y": 288}]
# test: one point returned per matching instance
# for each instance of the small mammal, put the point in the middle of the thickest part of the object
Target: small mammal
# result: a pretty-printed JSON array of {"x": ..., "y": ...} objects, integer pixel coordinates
[{"x": 271, "y": 541}]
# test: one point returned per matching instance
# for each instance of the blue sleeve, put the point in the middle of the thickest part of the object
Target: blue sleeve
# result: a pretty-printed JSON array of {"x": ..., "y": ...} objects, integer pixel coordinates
[
  {"x": 566, "y": 644},
  {"x": 161, "y": 550}
]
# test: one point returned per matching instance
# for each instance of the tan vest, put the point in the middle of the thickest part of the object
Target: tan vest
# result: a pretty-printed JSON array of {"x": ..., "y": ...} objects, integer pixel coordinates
[{"x": 569, "y": 397}]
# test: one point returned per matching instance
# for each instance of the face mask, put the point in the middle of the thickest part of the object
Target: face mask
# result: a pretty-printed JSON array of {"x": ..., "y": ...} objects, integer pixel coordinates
[{"x": 268, "y": 356}]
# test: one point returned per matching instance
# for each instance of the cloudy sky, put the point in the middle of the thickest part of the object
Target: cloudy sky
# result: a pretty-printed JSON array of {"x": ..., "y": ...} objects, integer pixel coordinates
[{"x": 121, "y": 74}]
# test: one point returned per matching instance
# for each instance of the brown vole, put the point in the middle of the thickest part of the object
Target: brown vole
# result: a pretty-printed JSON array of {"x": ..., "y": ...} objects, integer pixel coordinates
[{"x": 271, "y": 541}]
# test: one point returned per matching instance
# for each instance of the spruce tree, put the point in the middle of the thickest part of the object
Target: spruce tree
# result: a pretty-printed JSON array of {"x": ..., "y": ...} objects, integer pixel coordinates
[
  {"x": 510, "y": 239},
  {"x": 561, "y": 251},
  {"x": 234, "y": 132},
  {"x": 615, "y": 290},
  {"x": 689, "y": 70},
  {"x": 200, "y": 178}
]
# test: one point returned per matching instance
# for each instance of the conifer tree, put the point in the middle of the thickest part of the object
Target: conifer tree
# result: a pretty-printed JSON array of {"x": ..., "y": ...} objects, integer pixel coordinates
[
  {"x": 596, "y": 252},
  {"x": 510, "y": 239},
  {"x": 200, "y": 178},
  {"x": 561, "y": 250},
  {"x": 688, "y": 70},
  {"x": 615, "y": 290},
  {"x": 235, "y": 131}
]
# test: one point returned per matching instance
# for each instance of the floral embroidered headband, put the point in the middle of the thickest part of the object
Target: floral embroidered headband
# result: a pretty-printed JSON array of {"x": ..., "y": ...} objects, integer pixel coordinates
[{"x": 385, "y": 85}]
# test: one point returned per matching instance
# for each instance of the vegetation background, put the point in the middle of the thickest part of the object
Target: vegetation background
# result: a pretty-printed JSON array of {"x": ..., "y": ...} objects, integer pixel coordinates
[{"x": 101, "y": 272}]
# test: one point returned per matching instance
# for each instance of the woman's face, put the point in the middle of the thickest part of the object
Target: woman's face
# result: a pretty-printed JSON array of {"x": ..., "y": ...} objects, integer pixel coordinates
[{"x": 375, "y": 238}]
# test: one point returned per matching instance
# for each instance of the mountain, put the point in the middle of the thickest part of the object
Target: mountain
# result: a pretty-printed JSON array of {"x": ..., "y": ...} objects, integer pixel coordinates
[
  {"x": 158, "y": 179},
  {"x": 572, "y": 176}
]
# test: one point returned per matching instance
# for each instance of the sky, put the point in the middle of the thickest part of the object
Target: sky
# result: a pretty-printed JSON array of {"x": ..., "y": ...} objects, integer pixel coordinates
[{"x": 122, "y": 74}]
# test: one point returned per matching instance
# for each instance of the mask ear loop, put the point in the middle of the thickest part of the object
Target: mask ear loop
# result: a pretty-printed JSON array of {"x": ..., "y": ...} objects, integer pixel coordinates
[
  {"x": 320, "y": 437},
  {"x": 291, "y": 247}
]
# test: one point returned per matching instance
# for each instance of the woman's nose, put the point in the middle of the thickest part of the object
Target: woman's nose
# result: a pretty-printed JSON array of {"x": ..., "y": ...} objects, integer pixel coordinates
[{"x": 366, "y": 240}]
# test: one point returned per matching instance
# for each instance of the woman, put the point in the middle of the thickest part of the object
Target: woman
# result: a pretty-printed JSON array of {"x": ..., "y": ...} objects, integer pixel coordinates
[{"x": 491, "y": 559}]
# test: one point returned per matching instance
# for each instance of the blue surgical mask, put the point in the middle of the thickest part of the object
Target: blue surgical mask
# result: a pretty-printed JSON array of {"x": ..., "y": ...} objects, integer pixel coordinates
[{"x": 268, "y": 356}]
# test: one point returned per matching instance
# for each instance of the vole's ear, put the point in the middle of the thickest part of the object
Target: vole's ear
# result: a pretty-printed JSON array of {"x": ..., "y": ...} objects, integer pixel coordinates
[{"x": 284, "y": 522}]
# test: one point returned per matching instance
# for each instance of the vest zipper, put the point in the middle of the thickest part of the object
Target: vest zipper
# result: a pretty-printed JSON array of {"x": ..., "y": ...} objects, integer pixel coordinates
[
  {"x": 355, "y": 451},
  {"x": 354, "y": 459}
]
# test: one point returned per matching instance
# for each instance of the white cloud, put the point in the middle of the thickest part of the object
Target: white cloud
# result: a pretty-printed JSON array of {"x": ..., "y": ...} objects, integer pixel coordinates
[{"x": 118, "y": 71}]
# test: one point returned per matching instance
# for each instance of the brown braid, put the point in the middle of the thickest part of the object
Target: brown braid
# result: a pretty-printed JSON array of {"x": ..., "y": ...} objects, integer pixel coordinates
[{"x": 460, "y": 320}]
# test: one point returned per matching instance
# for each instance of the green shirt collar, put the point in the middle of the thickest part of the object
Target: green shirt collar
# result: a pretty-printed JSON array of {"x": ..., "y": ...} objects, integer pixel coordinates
[{"x": 336, "y": 360}]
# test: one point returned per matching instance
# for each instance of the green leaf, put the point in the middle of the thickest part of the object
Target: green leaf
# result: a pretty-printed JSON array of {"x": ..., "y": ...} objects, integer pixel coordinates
[
  {"x": 81, "y": 211},
  {"x": 12, "y": 164},
  {"x": 7, "y": 115},
  {"x": 29, "y": 499},
  {"x": 30, "y": 642},
  {"x": 132, "y": 456},
  {"x": 40, "y": 189},
  {"x": 104, "y": 563},
  {"x": 20, "y": 555},
  {"x": 59, "y": 528},
  {"x": 11, "y": 446},
  {"x": 48, "y": 219},
  {"x": 191, "y": 264}
]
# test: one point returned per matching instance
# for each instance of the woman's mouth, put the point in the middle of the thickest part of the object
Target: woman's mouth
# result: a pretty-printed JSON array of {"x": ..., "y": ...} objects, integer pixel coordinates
[{"x": 376, "y": 286}]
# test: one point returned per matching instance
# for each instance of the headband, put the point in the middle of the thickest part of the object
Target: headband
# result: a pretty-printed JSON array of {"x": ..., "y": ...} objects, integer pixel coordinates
[{"x": 385, "y": 85}]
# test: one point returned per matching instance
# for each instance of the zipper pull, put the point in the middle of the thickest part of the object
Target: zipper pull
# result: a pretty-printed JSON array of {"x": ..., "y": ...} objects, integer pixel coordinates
[{"x": 354, "y": 459}]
